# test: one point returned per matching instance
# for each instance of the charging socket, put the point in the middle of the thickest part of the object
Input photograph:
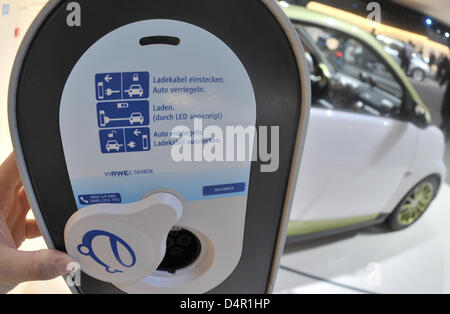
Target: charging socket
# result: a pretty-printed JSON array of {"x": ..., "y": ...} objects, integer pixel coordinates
[{"x": 182, "y": 249}]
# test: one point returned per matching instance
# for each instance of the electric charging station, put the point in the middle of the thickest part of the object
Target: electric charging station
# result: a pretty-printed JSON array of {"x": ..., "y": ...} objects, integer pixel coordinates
[{"x": 91, "y": 111}]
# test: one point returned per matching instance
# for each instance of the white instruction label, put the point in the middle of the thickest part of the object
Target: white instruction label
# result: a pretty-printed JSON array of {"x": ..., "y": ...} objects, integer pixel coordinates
[{"x": 129, "y": 91}]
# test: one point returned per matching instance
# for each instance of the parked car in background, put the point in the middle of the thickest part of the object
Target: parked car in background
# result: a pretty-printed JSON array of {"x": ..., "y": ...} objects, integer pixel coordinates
[
  {"x": 372, "y": 154},
  {"x": 419, "y": 68}
]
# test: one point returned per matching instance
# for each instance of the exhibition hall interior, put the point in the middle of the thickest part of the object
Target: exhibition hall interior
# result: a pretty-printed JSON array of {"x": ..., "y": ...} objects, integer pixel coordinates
[{"x": 368, "y": 190}]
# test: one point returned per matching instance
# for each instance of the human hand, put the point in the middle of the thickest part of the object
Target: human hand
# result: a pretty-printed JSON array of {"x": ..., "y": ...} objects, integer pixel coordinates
[{"x": 17, "y": 266}]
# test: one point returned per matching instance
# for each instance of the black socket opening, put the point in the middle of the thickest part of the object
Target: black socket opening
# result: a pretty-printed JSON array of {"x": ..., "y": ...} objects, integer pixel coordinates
[{"x": 182, "y": 249}]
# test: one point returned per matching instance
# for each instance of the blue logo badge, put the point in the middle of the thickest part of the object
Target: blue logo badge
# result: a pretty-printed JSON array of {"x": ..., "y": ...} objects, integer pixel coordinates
[{"x": 86, "y": 249}]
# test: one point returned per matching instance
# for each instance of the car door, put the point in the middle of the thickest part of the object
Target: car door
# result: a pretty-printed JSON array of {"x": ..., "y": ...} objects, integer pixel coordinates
[{"x": 357, "y": 150}]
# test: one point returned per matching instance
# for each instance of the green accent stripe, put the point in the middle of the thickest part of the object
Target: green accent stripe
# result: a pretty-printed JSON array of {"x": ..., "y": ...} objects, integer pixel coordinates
[{"x": 296, "y": 228}]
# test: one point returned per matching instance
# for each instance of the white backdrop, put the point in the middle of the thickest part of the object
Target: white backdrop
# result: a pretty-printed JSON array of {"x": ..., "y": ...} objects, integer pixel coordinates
[{"x": 15, "y": 18}]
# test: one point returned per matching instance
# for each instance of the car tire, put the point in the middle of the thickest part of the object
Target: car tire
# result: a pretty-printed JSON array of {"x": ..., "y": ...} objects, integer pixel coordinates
[
  {"x": 418, "y": 74},
  {"x": 414, "y": 204}
]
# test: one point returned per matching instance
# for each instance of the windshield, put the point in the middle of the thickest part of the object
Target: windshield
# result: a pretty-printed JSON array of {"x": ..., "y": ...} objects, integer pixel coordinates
[{"x": 349, "y": 56}]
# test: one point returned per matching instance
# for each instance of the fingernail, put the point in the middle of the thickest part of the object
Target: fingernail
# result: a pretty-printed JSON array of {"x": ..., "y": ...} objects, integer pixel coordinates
[{"x": 62, "y": 266}]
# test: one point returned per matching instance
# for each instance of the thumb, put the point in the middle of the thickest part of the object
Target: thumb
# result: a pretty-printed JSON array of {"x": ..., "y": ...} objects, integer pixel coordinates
[{"x": 39, "y": 265}]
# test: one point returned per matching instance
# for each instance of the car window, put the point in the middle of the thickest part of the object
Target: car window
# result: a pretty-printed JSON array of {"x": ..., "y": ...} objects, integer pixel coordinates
[
  {"x": 374, "y": 89},
  {"x": 353, "y": 58}
]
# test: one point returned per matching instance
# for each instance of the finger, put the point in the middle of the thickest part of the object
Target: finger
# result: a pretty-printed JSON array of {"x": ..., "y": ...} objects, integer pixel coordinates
[
  {"x": 5, "y": 235},
  {"x": 16, "y": 211},
  {"x": 9, "y": 174},
  {"x": 22, "y": 197},
  {"x": 31, "y": 229},
  {"x": 32, "y": 266}
]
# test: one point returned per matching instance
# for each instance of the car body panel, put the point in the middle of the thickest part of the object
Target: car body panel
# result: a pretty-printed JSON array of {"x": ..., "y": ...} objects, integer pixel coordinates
[
  {"x": 428, "y": 160},
  {"x": 351, "y": 165}
]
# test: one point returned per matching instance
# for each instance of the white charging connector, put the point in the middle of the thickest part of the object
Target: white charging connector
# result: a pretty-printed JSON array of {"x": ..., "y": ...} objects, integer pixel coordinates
[{"x": 122, "y": 243}]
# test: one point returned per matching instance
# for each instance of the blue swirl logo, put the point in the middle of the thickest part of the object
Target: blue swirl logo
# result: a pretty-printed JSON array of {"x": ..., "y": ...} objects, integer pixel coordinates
[{"x": 86, "y": 249}]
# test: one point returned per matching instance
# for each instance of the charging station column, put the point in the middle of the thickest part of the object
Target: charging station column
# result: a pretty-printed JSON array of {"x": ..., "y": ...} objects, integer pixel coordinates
[{"x": 141, "y": 80}]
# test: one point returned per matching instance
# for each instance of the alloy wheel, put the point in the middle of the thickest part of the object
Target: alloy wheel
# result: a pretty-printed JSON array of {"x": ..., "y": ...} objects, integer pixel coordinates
[{"x": 416, "y": 204}]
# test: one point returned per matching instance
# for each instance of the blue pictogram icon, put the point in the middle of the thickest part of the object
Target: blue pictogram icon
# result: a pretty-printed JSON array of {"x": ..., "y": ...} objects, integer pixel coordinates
[
  {"x": 123, "y": 104},
  {"x": 136, "y": 85},
  {"x": 108, "y": 86},
  {"x": 137, "y": 139},
  {"x": 123, "y": 114},
  {"x": 112, "y": 141},
  {"x": 86, "y": 249}
]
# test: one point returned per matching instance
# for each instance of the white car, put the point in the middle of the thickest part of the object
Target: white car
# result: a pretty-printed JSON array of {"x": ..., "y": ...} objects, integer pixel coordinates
[{"x": 371, "y": 154}]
